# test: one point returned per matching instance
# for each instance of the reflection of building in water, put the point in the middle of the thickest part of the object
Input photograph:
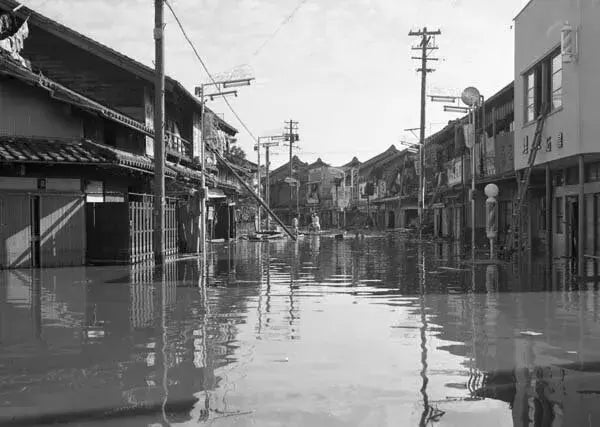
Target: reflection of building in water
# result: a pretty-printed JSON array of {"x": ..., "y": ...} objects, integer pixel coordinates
[
  {"x": 20, "y": 306},
  {"x": 520, "y": 347}
]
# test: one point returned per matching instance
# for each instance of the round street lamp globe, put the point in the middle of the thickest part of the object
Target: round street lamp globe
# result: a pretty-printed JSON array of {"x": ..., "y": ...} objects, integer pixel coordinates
[
  {"x": 491, "y": 190},
  {"x": 470, "y": 96}
]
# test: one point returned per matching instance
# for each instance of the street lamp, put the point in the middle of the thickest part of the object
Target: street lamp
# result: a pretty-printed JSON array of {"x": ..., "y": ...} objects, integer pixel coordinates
[{"x": 201, "y": 92}]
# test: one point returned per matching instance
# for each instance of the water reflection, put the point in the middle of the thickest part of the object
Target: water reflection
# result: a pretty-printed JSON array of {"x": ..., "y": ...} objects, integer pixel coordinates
[{"x": 368, "y": 331}]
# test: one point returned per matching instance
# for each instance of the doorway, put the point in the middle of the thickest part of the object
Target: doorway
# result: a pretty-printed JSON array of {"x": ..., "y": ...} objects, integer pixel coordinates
[{"x": 391, "y": 219}]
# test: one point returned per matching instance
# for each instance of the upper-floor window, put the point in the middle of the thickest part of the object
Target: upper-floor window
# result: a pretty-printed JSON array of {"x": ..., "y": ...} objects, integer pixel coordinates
[
  {"x": 556, "y": 81},
  {"x": 543, "y": 86},
  {"x": 532, "y": 107}
]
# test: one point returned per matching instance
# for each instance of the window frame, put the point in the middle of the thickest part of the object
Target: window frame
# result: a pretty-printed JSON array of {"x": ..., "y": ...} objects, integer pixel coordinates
[
  {"x": 538, "y": 85},
  {"x": 552, "y": 90},
  {"x": 530, "y": 106}
]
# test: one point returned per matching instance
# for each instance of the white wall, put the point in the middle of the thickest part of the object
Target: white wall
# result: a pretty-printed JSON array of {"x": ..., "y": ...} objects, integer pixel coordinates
[{"x": 537, "y": 34}]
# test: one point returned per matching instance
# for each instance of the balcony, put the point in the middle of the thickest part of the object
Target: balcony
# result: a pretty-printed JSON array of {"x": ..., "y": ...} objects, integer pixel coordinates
[{"x": 177, "y": 146}]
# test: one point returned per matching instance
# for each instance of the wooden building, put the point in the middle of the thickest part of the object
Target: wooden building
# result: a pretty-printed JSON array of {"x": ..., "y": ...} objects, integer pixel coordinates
[{"x": 77, "y": 150}]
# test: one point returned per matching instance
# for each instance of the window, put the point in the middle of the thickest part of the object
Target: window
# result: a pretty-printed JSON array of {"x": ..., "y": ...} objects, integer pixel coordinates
[
  {"x": 543, "y": 86},
  {"x": 556, "y": 81},
  {"x": 592, "y": 173},
  {"x": 530, "y": 97},
  {"x": 560, "y": 215}
]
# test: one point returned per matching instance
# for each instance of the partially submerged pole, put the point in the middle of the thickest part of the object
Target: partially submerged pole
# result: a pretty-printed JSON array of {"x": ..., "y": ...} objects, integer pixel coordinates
[{"x": 159, "y": 134}]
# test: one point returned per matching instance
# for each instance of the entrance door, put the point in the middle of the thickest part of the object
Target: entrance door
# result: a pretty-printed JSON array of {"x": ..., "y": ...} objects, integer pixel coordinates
[{"x": 572, "y": 226}]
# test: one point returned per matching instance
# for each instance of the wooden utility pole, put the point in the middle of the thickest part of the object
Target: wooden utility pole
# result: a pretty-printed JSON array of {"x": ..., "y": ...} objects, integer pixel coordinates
[
  {"x": 425, "y": 47},
  {"x": 268, "y": 189},
  {"x": 292, "y": 137},
  {"x": 258, "y": 216},
  {"x": 159, "y": 134}
]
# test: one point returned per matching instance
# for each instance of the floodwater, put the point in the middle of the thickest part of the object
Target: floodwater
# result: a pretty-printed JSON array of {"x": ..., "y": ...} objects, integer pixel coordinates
[{"x": 378, "y": 331}]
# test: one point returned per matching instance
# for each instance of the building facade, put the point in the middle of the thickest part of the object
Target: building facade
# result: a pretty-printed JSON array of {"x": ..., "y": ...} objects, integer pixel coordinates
[
  {"x": 77, "y": 152},
  {"x": 556, "y": 86}
]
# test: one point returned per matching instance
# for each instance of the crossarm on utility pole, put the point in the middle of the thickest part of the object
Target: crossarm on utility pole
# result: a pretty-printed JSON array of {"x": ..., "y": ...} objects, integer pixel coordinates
[{"x": 225, "y": 163}]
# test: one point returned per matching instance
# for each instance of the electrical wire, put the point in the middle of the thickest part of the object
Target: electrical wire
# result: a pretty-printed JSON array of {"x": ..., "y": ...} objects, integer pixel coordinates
[
  {"x": 185, "y": 35},
  {"x": 281, "y": 25}
]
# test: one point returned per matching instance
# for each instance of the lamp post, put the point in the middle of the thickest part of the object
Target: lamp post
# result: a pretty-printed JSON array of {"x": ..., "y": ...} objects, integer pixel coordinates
[{"x": 201, "y": 92}]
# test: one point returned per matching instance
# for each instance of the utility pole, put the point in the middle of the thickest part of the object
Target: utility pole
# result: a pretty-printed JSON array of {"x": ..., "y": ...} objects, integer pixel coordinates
[
  {"x": 268, "y": 186},
  {"x": 292, "y": 137},
  {"x": 272, "y": 141},
  {"x": 426, "y": 46},
  {"x": 257, "y": 147},
  {"x": 159, "y": 134}
]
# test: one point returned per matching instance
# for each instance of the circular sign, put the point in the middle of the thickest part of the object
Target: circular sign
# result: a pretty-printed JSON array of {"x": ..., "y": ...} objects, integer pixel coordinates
[{"x": 470, "y": 96}]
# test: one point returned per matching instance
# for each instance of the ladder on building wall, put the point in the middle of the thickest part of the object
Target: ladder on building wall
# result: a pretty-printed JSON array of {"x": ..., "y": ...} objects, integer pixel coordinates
[{"x": 519, "y": 237}]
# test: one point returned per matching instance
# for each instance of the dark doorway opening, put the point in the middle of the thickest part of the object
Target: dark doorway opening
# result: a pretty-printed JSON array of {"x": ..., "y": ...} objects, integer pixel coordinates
[{"x": 391, "y": 219}]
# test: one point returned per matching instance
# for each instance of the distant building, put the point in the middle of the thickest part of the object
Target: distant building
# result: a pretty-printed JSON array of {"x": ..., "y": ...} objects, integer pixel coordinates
[
  {"x": 321, "y": 184},
  {"x": 279, "y": 190},
  {"x": 448, "y": 171}
]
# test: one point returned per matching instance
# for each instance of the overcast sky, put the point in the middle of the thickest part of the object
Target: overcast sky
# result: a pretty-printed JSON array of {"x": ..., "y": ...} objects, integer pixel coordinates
[{"x": 341, "y": 68}]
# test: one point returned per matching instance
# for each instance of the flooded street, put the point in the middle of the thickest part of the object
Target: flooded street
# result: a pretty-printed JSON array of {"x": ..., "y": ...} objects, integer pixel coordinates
[{"x": 322, "y": 332}]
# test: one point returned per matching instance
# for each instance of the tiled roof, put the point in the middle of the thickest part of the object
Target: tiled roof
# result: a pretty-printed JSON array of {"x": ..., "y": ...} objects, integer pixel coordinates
[
  {"x": 390, "y": 151},
  {"x": 57, "y": 151},
  {"x": 32, "y": 150}
]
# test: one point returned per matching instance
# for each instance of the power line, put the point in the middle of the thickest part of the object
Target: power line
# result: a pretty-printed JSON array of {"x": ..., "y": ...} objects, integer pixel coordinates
[
  {"x": 281, "y": 25},
  {"x": 239, "y": 119}
]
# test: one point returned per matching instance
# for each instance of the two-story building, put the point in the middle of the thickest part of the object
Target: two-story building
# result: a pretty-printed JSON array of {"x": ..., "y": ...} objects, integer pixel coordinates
[
  {"x": 448, "y": 171},
  {"x": 350, "y": 192},
  {"x": 369, "y": 187},
  {"x": 396, "y": 183},
  {"x": 322, "y": 182},
  {"x": 558, "y": 86},
  {"x": 278, "y": 187},
  {"x": 63, "y": 93}
]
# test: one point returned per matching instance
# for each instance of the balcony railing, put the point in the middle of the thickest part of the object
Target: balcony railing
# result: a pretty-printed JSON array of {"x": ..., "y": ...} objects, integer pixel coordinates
[{"x": 178, "y": 145}]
